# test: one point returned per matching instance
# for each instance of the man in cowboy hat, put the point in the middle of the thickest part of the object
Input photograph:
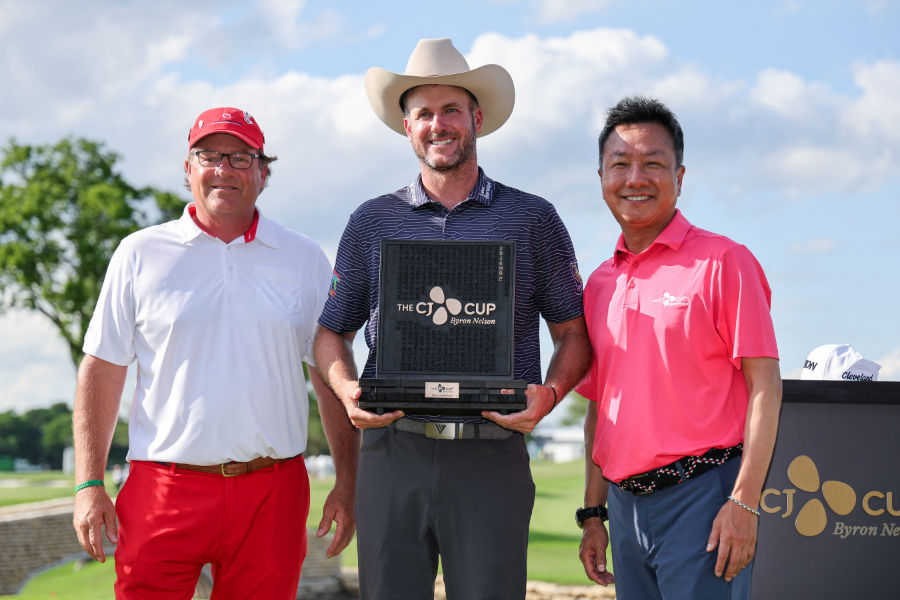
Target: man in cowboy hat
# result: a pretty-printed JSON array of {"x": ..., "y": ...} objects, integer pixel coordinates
[
  {"x": 468, "y": 500},
  {"x": 218, "y": 309}
]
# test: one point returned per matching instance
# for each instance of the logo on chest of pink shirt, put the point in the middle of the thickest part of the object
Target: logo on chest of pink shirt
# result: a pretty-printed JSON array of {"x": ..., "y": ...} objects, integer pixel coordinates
[{"x": 668, "y": 299}]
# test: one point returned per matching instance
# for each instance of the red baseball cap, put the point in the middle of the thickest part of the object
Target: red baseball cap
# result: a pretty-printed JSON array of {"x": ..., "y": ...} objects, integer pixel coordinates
[{"x": 232, "y": 121}]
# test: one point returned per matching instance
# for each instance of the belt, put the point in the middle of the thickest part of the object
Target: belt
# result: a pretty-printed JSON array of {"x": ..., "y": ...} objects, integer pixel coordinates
[
  {"x": 231, "y": 469},
  {"x": 453, "y": 431},
  {"x": 681, "y": 470}
]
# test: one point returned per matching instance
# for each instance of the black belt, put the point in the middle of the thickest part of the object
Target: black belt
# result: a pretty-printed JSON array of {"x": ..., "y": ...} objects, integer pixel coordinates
[
  {"x": 681, "y": 470},
  {"x": 453, "y": 431}
]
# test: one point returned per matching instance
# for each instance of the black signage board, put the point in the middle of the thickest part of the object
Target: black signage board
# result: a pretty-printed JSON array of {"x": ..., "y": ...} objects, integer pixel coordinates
[
  {"x": 445, "y": 329},
  {"x": 830, "y": 522}
]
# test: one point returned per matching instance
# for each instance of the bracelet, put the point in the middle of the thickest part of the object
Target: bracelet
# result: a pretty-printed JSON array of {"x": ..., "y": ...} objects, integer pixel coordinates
[
  {"x": 744, "y": 506},
  {"x": 88, "y": 483},
  {"x": 555, "y": 399}
]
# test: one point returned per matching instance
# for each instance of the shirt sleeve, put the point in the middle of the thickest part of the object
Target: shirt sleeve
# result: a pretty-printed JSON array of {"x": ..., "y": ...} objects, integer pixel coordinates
[
  {"x": 587, "y": 387},
  {"x": 558, "y": 283},
  {"x": 319, "y": 282},
  {"x": 110, "y": 334},
  {"x": 347, "y": 305},
  {"x": 745, "y": 320}
]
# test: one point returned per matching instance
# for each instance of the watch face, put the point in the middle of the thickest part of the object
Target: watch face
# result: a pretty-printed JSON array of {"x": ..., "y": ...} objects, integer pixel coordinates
[{"x": 580, "y": 515}]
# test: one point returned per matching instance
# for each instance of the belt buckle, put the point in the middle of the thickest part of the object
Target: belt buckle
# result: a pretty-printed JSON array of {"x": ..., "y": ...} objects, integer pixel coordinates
[
  {"x": 630, "y": 485},
  {"x": 443, "y": 431},
  {"x": 224, "y": 474}
]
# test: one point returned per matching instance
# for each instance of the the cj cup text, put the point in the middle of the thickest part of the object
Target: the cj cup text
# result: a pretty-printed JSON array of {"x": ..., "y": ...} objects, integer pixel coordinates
[
  {"x": 840, "y": 497},
  {"x": 469, "y": 308}
]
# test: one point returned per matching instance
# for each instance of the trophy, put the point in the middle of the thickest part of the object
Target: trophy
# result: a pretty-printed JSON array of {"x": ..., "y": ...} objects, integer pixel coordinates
[{"x": 445, "y": 329}]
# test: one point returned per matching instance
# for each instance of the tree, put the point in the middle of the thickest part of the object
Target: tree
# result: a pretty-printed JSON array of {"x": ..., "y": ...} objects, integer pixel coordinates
[
  {"x": 18, "y": 438},
  {"x": 63, "y": 210},
  {"x": 576, "y": 409},
  {"x": 53, "y": 426},
  {"x": 55, "y": 436}
]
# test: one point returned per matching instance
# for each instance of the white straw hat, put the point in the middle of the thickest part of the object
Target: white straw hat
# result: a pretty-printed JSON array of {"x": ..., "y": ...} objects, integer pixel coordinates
[{"x": 438, "y": 62}]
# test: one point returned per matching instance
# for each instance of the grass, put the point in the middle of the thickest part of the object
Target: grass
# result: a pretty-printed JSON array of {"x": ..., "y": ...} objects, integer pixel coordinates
[
  {"x": 552, "y": 548},
  {"x": 18, "y": 488},
  {"x": 71, "y": 581}
]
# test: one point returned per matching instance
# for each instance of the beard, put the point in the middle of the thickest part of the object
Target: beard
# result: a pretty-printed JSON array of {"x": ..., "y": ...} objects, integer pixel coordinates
[{"x": 464, "y": 152}]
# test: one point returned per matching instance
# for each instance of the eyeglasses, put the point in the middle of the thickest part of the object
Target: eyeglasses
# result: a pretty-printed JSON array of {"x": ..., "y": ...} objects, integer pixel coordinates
[{"x": 237, "y": 160}]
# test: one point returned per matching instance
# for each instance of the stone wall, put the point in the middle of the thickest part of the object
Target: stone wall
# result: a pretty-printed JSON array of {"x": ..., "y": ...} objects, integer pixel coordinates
[{"x": 35, "y": 537}]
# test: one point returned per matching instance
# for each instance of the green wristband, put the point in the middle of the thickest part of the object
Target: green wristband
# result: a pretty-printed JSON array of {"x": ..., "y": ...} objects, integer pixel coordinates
[{"x": 88, "y": 483}]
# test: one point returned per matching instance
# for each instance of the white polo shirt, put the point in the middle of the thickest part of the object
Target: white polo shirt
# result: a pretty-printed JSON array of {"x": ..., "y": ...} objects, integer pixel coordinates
[{"x": 219, "y": 332}]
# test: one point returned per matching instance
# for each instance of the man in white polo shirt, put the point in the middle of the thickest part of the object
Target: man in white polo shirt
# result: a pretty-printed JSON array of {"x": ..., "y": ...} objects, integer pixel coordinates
[{"x": 219, "y": 309}]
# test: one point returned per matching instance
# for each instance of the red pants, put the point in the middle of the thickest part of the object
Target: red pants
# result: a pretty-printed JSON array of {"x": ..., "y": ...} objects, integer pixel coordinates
[{"x": 251, "y": 528}]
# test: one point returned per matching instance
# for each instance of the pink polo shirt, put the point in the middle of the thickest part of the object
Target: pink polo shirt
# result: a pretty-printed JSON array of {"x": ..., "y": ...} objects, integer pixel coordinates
[{"x": 669, "y": 327}]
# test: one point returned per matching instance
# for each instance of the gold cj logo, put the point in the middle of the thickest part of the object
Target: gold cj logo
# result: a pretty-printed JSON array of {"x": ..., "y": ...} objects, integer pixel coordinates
[
  {"x": 439, "y": 315},
  {"x": 840, "y": 497}
]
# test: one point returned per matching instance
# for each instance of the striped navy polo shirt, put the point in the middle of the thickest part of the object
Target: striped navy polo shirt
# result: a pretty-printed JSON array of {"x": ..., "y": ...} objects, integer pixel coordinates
[{"x": 547, "y": 280}]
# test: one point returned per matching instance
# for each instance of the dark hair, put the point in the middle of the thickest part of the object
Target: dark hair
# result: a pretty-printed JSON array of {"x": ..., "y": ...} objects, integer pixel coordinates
[
  {"x": 473, "y": 101},
  {"x": 640, "y": 109},
  {"x": 264, "y": 161}
]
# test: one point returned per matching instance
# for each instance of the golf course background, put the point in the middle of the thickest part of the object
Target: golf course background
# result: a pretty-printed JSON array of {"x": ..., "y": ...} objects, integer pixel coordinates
[{"x": 552, "y": 550}]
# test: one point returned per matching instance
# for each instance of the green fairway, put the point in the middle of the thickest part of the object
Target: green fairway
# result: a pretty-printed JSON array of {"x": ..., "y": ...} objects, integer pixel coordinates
[
  {"x": 18, "y": 488},
  {"x": 552, "y": 548},
  {"x": 72, "y": 581}
]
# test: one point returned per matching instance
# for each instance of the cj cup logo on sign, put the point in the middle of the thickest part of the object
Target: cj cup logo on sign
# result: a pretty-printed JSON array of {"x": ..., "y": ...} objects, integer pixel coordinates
[
  {"x": 865, "y": 515},
  {"x": 442, "y": 309},
  {"x": 435, "y": 389}
]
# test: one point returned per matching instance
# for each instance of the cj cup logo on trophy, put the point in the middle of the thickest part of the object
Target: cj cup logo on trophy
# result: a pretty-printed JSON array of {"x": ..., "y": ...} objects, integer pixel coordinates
[{"x": 445, "y": 329}]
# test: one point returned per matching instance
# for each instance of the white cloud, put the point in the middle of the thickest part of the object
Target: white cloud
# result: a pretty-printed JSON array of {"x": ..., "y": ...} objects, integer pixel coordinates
[
  {"x": 559, "y": 81},
  {"x": 557, "y": 11},
  {"x": 814, "y": 246},
  {"x": 890, "y": 366},
  {"x": 789, "y": 96},
  {"x": 879, "y": 8},
  {"x": 35, "y": 366},
  {"x": 876, "y": 114},
  {"x": 285, "y": 20}
]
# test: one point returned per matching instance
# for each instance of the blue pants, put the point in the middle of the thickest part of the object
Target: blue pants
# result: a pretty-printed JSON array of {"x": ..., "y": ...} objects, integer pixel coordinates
[
  {"x": 468, "y": 501},
  {"x": 659, "y": 541}
]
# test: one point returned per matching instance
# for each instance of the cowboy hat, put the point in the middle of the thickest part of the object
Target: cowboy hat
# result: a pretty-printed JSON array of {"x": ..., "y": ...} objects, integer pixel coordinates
[{"x": 438, "y": 62}]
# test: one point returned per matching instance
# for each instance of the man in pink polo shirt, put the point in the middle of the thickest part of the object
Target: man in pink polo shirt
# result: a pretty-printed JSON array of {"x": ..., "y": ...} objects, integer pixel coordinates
[{"x": 684, "y": 386}]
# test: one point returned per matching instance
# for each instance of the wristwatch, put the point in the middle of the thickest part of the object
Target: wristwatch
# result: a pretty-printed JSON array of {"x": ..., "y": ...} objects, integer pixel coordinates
[{"x": 583, "y": 514}]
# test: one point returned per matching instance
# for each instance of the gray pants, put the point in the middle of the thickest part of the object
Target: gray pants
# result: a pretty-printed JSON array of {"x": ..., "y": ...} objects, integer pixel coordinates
[{"x": 468, "y": 501}]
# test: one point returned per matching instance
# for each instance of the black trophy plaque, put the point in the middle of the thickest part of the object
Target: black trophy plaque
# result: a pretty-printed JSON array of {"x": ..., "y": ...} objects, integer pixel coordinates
[{"x": 445, "y": 329}]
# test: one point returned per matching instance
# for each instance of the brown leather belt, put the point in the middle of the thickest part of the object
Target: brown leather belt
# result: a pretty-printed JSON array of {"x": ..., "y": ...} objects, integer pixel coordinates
[{"x": 232, "y": 469}]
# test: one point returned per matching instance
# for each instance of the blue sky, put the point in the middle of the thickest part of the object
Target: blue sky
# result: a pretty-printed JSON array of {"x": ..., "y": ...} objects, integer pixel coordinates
[{"x": 790, "y": 113}]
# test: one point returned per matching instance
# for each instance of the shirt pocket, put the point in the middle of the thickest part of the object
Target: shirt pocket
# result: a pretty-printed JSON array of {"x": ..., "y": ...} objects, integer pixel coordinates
[{"x": 277, "y": 289}]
